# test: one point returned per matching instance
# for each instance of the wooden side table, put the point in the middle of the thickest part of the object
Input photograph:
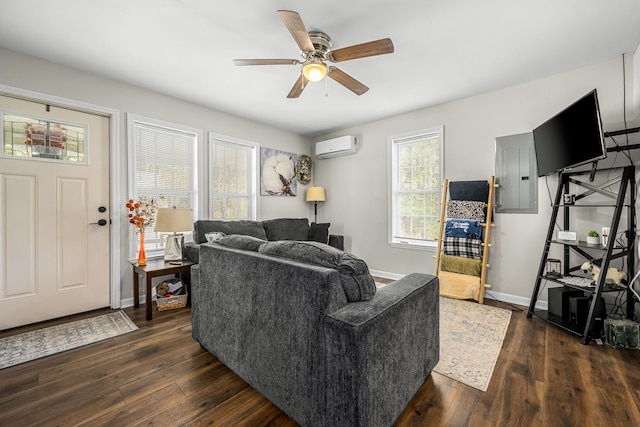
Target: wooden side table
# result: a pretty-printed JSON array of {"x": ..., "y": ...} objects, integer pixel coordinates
[{"x": 154, "y": 268}]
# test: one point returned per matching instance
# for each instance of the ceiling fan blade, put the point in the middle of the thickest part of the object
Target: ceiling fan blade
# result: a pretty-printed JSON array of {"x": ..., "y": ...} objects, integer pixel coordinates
[
  {"x": 377, "y": 47},
  {"x": 266, "y": 61},
  {"x": 347, "y": 81},
  {"x": 296, "y": 27},
  {"x": 298, "y": 87}
]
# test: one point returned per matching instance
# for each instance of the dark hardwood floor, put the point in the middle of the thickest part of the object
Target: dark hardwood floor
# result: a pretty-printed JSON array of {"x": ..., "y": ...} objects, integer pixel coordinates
[{"x": 160, "y": 376}]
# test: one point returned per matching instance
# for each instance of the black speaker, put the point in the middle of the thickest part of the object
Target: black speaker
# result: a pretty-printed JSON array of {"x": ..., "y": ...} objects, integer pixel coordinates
[
  {"x": 578, "y": 312},
  {"x": 599, "y": 315},
  {"x": 559, "y": 303}
]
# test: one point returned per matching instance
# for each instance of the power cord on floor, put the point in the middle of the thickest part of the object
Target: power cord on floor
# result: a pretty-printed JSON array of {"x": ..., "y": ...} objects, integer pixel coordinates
[{"x": 515, "y": 308}]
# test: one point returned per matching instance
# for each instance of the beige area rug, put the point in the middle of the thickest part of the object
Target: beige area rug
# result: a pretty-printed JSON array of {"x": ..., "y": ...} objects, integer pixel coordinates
[
  {"x": 471, "y": 337},
  {"x": 43, "y": 342}
]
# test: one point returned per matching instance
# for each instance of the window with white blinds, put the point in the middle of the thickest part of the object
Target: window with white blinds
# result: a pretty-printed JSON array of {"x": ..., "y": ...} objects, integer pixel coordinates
[
  {"x": 233, "y": 171},
  {"x": 162, "y": 165}
]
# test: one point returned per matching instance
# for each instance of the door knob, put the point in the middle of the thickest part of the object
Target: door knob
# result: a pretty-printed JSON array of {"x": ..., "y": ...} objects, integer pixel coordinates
[{"x": 101, "y": 222}]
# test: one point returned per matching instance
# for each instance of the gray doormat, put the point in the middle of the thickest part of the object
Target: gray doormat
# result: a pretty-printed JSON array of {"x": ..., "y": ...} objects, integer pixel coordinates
[{"x": 43, "y": 342}]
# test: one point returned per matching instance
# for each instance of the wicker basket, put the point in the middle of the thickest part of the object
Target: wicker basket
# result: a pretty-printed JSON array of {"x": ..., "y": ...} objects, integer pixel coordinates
[{"x": 170, "y": 303}]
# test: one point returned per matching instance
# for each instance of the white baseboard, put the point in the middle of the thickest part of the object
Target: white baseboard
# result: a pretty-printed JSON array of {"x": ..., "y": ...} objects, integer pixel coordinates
[
  {"x": 128, "y": 302},
  {"x": 498, "y": 296},
  {"x": 386, "y": 275},
  {"x": 514, "y": 299}
]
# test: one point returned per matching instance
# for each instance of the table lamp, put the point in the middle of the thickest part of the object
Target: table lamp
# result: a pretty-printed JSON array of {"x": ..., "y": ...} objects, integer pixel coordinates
[
  {"x": 176, "y": 221},
  {"x": 315, "y": 195}
]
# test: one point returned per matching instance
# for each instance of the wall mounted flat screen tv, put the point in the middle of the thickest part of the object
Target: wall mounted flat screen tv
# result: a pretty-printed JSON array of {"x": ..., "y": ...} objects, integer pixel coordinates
[{"x": 571, "y": 138}]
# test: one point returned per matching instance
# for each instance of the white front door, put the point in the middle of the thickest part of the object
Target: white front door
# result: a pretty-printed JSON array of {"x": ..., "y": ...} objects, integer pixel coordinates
[{"x": 54, "y": 190}]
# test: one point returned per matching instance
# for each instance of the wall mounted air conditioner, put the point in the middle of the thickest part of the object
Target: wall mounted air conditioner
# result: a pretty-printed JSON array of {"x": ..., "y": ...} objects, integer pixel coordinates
[{"x": 340, "y": 146}]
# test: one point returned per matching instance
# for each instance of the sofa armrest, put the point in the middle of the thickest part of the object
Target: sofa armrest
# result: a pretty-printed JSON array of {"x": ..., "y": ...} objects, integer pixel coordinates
[
  {"x": 192, "y": 252},
  {"x": 380, "y": 352},
  {"x": 337, "y": 241}
]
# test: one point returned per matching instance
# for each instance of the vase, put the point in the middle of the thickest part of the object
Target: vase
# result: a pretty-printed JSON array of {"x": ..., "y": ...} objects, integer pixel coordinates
[
  {"x": 142, "y": 257},
  {"x": 593, "y": 240}
]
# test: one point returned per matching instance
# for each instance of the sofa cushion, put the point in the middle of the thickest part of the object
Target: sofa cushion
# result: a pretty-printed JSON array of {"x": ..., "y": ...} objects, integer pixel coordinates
[
  {"x": 246, "y": 227},
  {"x": 319, "y": 232},
  {"x": 357, "y": 282},
  {"x": 286, "y": 229},
  {"x": 241, "y": 241},
  {"x": 307, "y": 252}
]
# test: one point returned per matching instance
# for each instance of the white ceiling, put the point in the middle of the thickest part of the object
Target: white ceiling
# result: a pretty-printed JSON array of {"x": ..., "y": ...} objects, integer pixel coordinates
[{"x": 444, "y": 50}]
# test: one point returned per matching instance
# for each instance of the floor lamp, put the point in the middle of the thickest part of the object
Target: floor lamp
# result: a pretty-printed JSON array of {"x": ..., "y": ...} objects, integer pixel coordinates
[
  {"x": 176, "y": 221},
  {"x": 315, "y": 195}
]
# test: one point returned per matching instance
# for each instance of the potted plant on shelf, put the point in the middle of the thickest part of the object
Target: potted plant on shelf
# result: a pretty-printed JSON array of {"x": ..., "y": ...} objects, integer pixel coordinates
[{"x": 593, "y": 238}]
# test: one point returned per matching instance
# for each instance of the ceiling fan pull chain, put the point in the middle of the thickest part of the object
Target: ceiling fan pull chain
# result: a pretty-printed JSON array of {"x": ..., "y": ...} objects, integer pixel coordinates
[{"x": 326, "y": 87}]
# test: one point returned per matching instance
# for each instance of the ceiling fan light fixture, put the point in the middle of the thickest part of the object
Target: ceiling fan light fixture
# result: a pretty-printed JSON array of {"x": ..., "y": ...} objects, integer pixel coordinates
[{"x": 314, "y": 70}]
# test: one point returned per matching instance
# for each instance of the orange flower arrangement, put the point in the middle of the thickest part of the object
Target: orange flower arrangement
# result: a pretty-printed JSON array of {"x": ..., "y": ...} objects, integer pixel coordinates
[{"x": 142, "y": 213}]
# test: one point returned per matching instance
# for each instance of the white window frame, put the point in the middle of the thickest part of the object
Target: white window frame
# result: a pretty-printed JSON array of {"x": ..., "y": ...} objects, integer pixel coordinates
[
  {"x": 393, "y": 143},
  {"x": 253, "y": 172},
  {"x": 133, "y": 121}
]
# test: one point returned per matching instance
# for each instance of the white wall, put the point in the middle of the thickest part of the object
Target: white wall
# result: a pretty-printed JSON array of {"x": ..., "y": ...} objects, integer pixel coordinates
[
  {"x": 635, "y": 83},
  {"x": 30, "y": 73},
  {"x": 357, "y": 186}
]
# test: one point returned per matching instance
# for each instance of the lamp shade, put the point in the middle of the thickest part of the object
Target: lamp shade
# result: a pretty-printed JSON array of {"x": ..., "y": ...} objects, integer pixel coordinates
[
  {"x": 315, "y": 194},
  {"x": 172, "y": 220}
]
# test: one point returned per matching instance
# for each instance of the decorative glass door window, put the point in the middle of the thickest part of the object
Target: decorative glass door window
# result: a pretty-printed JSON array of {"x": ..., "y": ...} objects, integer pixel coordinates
[{"x": 31, "y": 137}]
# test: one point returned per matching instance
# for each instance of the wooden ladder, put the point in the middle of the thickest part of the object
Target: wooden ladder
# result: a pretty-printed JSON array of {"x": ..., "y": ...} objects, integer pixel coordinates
[{"x": 487, "y": 224}]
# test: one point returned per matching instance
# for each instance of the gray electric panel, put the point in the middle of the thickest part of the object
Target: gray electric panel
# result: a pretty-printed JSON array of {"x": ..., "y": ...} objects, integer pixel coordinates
[{"x": 516, "y": 174}]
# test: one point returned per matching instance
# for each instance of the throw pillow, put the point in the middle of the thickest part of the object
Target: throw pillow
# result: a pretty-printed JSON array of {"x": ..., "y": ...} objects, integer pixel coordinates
[
  {"x": 214, "y": 237},
  {"x": 356, "y": 281},
  {"x": 466, "y": 209},
  {"x": 319, "y": 232},
  {"x": 240, "y": 241},
  {"x": 243, "y": 226},
  {"x": 461, "y": 265},
  {"x": 286, "y": 229},
  {"x": 467, "y": 228},
  {"x": 469, "y": 190},
  {"x": 461, "y": 246}
]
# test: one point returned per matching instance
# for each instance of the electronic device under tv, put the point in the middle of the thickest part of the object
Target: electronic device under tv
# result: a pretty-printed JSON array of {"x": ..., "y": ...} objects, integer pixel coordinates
[{"x": 571, "y": 138}]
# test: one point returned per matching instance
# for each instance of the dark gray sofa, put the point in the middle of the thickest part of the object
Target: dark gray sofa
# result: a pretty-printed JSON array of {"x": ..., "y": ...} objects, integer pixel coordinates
[
  {"x": 288, "y": 329},
  {"x": 271, "y": 229}
]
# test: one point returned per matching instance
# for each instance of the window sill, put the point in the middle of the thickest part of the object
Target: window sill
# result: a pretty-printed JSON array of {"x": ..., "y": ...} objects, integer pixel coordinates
[{"x": 431, "y": 247}]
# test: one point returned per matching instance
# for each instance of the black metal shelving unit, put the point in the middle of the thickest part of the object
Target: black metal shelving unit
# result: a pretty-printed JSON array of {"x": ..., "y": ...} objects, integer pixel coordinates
[{"x": 623, "y": 199}]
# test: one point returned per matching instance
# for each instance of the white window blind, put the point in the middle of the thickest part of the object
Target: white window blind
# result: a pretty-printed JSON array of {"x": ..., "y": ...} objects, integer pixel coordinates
[
  {"x": 232, "y": 178},
  {"x": 416, "y": 181},
  {"x": 162, "y": 163}
]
